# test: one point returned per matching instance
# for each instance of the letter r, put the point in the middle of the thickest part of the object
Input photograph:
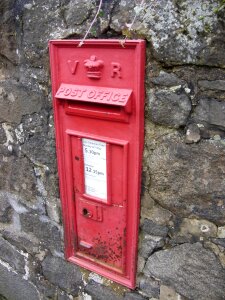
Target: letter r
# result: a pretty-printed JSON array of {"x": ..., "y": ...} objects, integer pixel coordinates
[{"x": 115, "y": 70}]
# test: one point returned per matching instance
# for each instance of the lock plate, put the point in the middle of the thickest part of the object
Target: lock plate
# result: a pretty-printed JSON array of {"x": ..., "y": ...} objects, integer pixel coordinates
[{"x": 90, "y": 211}]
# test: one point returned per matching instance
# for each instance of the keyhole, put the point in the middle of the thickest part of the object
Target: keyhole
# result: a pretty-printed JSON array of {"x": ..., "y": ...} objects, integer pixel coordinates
[{"x": 85, "y": 212}]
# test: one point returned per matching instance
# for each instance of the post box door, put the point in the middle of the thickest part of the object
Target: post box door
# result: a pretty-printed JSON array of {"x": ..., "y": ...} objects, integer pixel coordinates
[
  {"x": 98, "y": 96},
  {"x": 101, "y": 200}
]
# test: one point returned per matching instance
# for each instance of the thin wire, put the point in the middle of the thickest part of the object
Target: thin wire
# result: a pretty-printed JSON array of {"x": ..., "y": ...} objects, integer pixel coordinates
[
  {"x": 92, "y": 23},
  {"x": 131, "y": 25},
  {"x": 135, "y": 17}
]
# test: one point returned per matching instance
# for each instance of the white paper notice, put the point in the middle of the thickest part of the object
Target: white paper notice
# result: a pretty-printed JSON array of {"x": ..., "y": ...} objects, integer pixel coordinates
[{"x": 95, "y": 168}]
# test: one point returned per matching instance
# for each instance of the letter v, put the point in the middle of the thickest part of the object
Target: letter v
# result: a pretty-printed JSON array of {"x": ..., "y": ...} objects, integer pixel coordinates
[{"x": 72, "y": 64}]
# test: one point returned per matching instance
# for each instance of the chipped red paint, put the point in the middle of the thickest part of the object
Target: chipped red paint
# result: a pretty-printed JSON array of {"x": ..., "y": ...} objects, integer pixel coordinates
[{"x": 98, "y": 95}]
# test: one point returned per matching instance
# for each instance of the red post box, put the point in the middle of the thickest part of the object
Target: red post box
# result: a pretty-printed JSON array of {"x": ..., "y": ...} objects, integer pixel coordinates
[{"x": 98, "y": 95}]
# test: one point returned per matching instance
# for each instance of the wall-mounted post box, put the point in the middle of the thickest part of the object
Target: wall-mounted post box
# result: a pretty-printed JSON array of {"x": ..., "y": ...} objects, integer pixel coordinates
[{"x": 98, "y": 95}]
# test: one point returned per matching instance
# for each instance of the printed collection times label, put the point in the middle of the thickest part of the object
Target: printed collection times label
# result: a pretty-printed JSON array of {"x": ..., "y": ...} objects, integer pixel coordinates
[{"x": 95, "y": 174}]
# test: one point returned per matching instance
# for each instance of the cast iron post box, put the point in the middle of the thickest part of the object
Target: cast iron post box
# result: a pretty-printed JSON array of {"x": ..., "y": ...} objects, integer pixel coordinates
[{"x": 98, "y": 96}]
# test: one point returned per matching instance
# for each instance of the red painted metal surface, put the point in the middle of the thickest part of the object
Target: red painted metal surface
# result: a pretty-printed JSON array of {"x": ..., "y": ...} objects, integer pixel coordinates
[{"x": 98, "y": 96}]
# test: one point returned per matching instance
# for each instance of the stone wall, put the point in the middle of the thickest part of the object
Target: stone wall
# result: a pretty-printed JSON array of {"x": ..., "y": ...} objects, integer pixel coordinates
[{"x": 182, "y": 229}]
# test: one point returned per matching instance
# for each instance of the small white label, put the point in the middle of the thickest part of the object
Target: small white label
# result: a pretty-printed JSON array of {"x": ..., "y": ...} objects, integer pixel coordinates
[{"x": 95, "y": 168}]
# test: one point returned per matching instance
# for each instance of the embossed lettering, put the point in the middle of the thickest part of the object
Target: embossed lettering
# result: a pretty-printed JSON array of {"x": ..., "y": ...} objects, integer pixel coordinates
[
  {"x": 73, "y": 93},
  {"x": 72, "y": 64},
  {"x": 110, "y": 96},
  {"x": 81, "y": 93},
  {"x": 116, "y": 97},
  {"x": 61, "y": 90},
  {"x": 91, "y": 94},
  {"x": 113, "y": 96},
  {"x": 67, "y": 92},
  {"x": 105, "y": 95},
  {"x": 116, "y": 70},
  {"x": 123, "y": 98},
  {"x": 98, "y": 95}
]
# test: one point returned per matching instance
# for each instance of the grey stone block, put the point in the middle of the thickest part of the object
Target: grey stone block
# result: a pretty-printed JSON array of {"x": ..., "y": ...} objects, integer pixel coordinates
[
  {"x": 17, "y": 100},
  {"x": 197, "y": 228},
  {"x": 150, "y": 244},
  {"x": 10, "y": 255},
  {"x": 42, "y": 228},
  {"x": 14, "y": 287},
  {"x": 44, "y": 287},
  {"x": 168, "y": 293},
  {"x": 193, "y": 271},
  {"x": 149, "y": 286},
  {"x": 17, "y": 180},
  {"x": 220, "y": 242},
  {"x": 22, "y": 240},
  {"x": 63, "y": 274},
  {"x": 101, "y": 292},
  {"x": 166, "y": 79},
  {"x": 3, "y": 137},
  {"x": 212, "y": 85},
  {"x": 154, "y": 229},
  {"x": 178, "y": 36},
  {"x": 63, "y": 296},
  {"x": 211, "y": 112},
  {"x": 192, "y": 134},
  {"x": 133, "y": 296},
  {"x": 77, "y": 14},
  {"x": 169, "y": 109},
  {"x": 189, "y": 179},
  {"x": 5, "y": 210}
]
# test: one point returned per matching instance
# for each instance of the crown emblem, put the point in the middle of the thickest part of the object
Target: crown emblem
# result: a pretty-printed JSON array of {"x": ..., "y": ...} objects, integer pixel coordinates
[{"x": 93, "y": 67}]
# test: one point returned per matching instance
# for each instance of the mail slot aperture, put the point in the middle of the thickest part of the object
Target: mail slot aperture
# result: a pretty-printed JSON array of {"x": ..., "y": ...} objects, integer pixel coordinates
[{"x": 98, "y": 98}]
